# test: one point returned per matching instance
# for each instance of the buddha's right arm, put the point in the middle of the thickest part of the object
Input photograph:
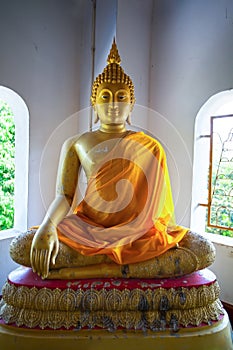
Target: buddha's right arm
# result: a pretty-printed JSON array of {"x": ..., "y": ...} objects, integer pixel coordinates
[{"x": 45, "y": 242}]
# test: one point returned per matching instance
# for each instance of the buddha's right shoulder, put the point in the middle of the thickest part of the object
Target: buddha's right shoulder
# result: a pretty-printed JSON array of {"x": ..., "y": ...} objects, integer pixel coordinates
[{"x": 77, "y": 139}]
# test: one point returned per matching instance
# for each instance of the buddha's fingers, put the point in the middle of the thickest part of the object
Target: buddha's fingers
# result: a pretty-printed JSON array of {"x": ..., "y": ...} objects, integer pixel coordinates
[
  {"x": 45, "y": 260},
  {"x": 40, "y": 262},
  {"x": 55, "y": 252},
  {"x": 34, "y": 259}
]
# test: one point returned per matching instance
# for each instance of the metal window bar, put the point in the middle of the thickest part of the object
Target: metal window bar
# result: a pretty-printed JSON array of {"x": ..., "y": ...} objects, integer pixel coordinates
[{"x": 220, "y": 184}]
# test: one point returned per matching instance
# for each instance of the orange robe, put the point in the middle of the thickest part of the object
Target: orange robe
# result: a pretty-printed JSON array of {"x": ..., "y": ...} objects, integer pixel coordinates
[{"x": 127, "y": 212}]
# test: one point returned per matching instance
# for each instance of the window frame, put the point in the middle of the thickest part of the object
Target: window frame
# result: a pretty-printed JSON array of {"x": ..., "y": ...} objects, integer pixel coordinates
[
  {"x": 211, "y": 184},
  {"x": 201, "y": 161},
  {"x": 21, "y": 119}
]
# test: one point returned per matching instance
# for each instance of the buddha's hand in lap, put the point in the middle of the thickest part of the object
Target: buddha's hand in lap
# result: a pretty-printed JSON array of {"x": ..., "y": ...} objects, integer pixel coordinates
[{"x": 44, "y": 249}]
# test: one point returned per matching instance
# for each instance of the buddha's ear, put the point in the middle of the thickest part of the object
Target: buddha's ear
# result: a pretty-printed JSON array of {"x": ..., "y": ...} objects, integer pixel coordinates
[
  {"x": 96, "y": 115},
  {"x": 96, "y": 119},
  {"x": 128, "y": 120}
]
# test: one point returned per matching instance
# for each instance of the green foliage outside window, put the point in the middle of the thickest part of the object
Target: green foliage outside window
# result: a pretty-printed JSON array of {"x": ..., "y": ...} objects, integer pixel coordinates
[
  {"x": 222, "y": 200},
  {"x": 218, "y": 231},
  {"x": 7, "y": 166},
  {"x": 221, "y": 208}
]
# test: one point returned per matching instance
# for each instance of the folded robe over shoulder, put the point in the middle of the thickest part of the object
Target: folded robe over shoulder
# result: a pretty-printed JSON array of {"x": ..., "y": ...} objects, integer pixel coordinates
[{"x": 127, "y": 212}]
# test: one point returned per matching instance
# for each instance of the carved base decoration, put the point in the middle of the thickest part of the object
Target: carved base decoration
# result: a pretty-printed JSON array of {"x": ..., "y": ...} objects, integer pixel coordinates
[
  {"x": 110, "y": 303},
  {"x": 95, "y": 314}
]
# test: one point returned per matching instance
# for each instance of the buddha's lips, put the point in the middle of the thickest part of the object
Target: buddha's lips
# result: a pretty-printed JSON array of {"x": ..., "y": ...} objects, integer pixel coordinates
[{"x": 113, "y": 112}]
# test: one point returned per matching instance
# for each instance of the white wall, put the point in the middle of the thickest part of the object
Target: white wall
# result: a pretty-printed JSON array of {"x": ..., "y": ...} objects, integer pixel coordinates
[
  {"x": 106, "y": 15},
  {"x": 134, "y": 24}
]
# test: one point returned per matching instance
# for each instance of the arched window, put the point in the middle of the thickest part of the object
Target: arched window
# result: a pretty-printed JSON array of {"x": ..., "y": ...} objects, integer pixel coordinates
[
  {"x": 212, "y": 195},
  {"x": 21, "y": 119}
]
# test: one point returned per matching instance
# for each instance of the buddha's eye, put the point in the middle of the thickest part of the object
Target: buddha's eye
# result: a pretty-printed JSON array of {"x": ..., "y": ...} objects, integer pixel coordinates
[
  {"x": 105, "y": 96},
  {"x": 122, "y": 96}
]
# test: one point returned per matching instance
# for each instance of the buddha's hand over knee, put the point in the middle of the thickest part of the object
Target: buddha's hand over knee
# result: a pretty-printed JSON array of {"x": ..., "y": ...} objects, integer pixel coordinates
[{"x": 44, "y": 249}]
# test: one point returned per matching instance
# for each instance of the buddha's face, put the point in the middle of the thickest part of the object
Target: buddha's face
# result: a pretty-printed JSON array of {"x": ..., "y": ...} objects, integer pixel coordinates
[{"x": 113, "y": 103}]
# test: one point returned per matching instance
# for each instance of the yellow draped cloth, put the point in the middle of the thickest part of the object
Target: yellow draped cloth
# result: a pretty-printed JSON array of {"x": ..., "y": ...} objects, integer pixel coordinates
[{"x": 127, "y": 212}]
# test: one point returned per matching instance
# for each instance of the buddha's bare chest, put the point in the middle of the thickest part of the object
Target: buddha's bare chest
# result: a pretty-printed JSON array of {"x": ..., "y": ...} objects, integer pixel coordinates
[{"x": 93, "y": 154}]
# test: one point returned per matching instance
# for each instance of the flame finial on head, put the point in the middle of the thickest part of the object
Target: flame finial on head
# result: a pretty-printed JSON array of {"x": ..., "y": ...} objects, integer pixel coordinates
[
  {"x": 113, "y": 73},
  {"x": 114, "y": 56}
]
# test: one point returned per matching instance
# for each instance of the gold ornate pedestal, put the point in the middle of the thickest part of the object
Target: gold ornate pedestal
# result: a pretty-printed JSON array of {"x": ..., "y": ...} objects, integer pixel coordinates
[{"x": 178, "y": 313}]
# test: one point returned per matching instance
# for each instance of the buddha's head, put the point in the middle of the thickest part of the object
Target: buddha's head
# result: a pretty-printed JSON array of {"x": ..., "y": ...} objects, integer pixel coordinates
[{"x": 113, "y": 92}]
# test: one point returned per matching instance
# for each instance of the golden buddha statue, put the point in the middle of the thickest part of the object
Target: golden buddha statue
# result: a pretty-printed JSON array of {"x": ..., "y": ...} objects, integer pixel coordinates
[{"x": 124, "y": 226}]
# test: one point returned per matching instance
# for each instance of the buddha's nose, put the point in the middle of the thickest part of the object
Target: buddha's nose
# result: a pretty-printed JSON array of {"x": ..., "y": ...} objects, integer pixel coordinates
[
  {"x": 113, "y": 108},
  {"x": 114, "y": 99},
  {"x": 113, "y": 105}
]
